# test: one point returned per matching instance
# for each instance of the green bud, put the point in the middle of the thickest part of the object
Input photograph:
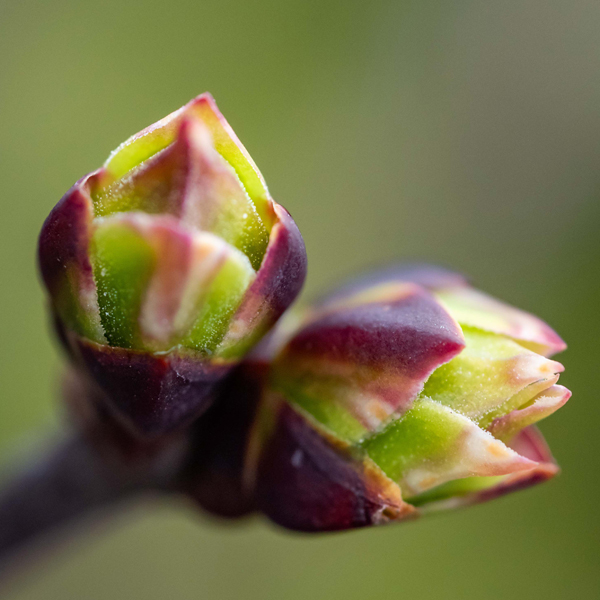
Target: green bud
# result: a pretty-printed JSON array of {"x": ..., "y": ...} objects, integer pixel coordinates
[{"x": 172, "y": 256}]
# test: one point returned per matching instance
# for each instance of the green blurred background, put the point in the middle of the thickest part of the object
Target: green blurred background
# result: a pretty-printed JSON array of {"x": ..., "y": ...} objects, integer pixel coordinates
[{"x": 466, "y": 132}]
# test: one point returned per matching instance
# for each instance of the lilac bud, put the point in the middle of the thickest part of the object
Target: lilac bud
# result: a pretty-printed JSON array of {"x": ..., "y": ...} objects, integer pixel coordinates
[{"x": 167, "y": 265}]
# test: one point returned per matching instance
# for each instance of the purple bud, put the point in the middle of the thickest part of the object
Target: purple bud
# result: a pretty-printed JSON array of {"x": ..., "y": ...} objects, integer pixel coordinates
[
  {"x": 167, "y": 265},
  {"x": 388, "y": 400}
]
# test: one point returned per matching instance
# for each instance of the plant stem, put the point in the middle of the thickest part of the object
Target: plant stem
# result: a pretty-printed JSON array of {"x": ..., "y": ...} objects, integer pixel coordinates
[{"x": 68, "y": 481}]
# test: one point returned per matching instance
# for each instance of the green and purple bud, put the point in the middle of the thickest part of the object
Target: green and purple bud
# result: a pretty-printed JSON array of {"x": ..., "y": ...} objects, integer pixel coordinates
[
  {"x": 167, "y": 265},
  {"x": 406, "y": 393}
]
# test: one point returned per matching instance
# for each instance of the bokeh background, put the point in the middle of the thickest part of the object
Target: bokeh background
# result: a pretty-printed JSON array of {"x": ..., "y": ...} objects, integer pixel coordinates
[{"x": 463, "y": 132}]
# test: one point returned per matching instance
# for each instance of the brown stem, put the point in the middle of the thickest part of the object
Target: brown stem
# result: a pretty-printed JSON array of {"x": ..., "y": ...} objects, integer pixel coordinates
[{"x": 69, "y": 481}]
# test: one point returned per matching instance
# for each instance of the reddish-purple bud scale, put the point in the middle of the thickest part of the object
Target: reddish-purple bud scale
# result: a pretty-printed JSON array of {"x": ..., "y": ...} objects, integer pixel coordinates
[{"x": 306, "y": 483}]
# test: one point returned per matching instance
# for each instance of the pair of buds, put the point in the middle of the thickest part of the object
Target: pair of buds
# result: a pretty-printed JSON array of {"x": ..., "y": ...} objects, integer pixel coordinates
[{"x": 407, "y": 391}]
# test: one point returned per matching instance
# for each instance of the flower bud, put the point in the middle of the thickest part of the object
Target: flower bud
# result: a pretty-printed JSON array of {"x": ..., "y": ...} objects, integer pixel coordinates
[
  {"x": 167, "y": 265},
  {"x": 405, "y": 393}
]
